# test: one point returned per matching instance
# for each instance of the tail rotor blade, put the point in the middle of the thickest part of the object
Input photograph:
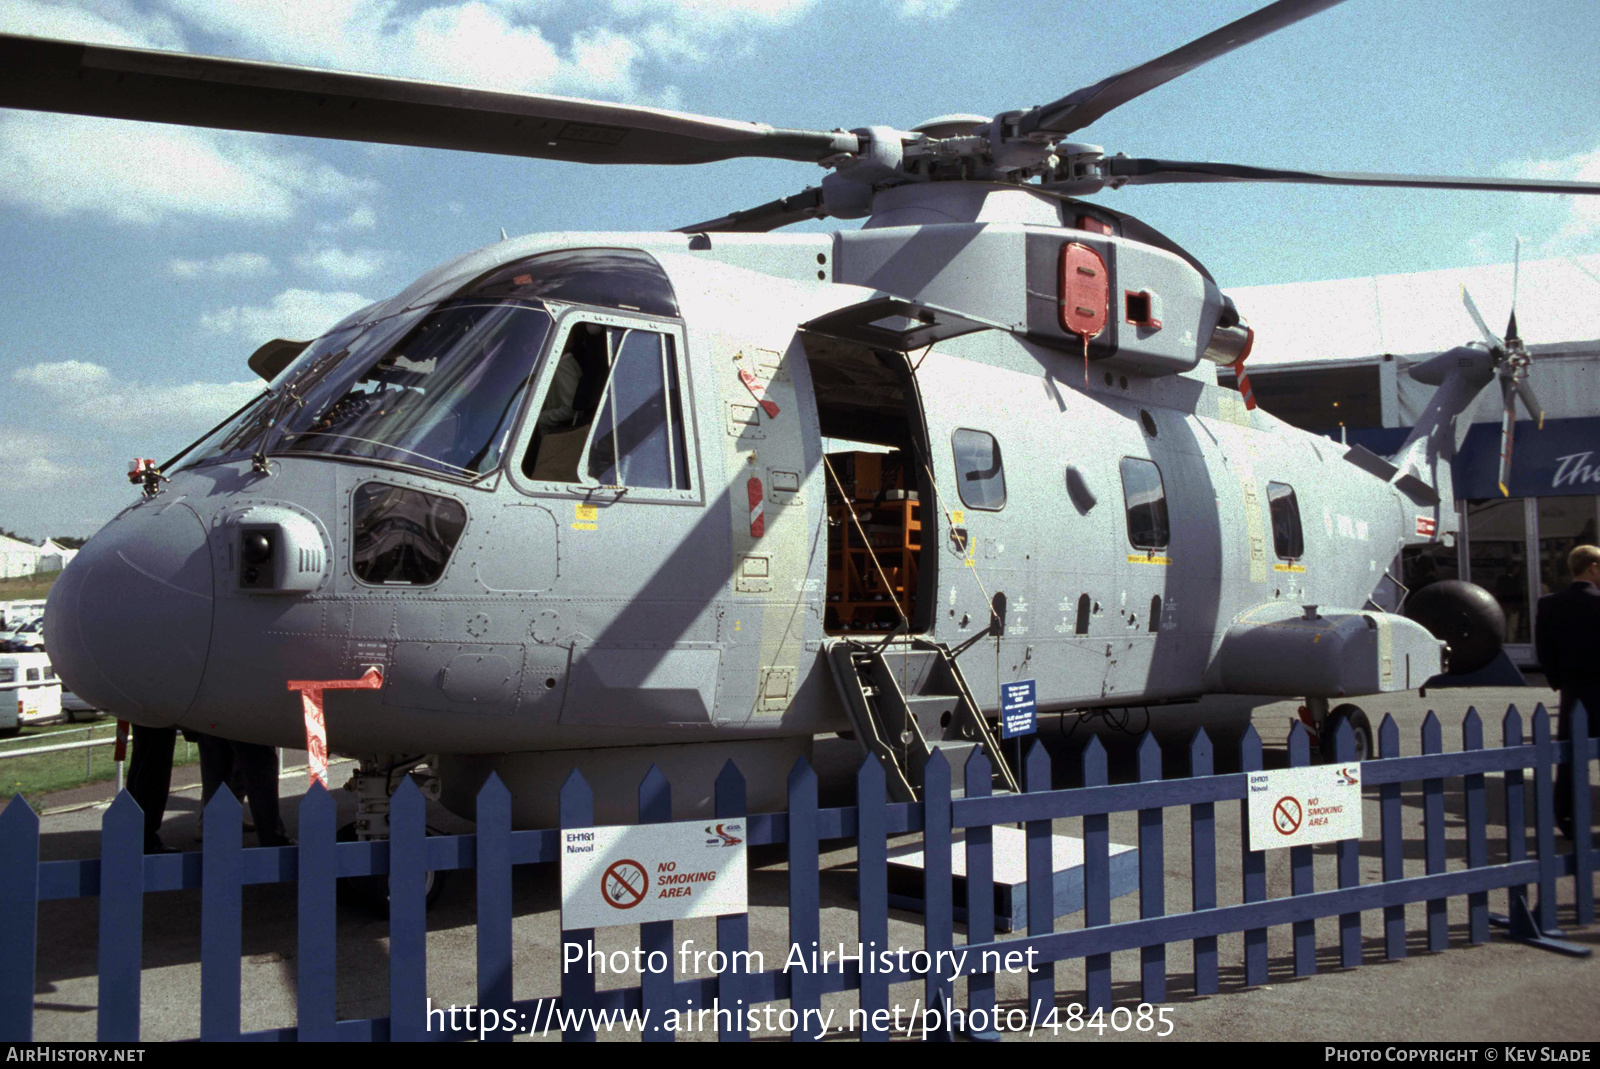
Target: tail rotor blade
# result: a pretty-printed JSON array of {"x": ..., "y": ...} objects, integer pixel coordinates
[
  {"x": 1472, "y": 310},
  {"x": 1530, "y": 402},
  {"x": 1507, "y": 432},
  {"x": 1516, "y": 274}
]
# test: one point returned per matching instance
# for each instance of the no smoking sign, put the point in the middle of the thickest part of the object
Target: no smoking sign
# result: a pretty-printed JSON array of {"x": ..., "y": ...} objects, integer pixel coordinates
[
  {"x": 652, "y": 872},
  {"x": 1300, "y": 806},
  {"x": 1287, "y": 815},
  {"x": 625, "y": 884}
]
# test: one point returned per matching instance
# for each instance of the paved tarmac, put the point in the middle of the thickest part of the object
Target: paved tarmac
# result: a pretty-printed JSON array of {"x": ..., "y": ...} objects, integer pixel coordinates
[{"x": 1501, "y": 991}]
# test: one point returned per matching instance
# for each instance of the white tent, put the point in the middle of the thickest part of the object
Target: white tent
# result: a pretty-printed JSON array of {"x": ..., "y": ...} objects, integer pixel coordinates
[
  {"x": 18, "y": 558},
  {"x": 1355, "y": 319},
  {"x": 53, "y": 556}
]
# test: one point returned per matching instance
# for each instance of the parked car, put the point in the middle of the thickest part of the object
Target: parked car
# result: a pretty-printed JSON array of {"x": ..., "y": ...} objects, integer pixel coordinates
[
  {"x": 77, "y": 709},
  {"x": 29, "y": 631}
]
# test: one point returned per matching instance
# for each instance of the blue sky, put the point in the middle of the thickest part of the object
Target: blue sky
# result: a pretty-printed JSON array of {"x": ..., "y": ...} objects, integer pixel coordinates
[{"x": 143, "y": 263}]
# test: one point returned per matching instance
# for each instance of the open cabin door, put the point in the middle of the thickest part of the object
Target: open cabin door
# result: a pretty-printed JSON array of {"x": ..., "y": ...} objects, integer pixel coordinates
[{"x": 880, "y": 575}]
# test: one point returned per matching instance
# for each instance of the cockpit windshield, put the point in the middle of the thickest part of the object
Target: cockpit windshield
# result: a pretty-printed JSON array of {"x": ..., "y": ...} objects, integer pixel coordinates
[
  {"x": 437, "y": 390},
  {"x": 443, "y": 397}
]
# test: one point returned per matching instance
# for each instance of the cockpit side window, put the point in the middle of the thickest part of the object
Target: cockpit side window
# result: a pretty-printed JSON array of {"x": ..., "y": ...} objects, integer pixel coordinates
[
  {"x": 1287, "y": 537},
  {"x": 570, "y": 403},
  {"x": 613, "y": 411}
]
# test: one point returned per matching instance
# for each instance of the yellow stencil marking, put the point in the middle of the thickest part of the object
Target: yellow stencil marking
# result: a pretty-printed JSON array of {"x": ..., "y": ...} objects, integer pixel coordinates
[
  {"x": 585, "y": 517},
  {"x": 1288, "y": 567},
  {"x": 1385, "y": 652},
  {"x": 1141, "y": 559}
]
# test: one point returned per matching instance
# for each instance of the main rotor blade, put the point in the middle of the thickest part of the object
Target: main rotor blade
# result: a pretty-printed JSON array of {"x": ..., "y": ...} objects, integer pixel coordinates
[
  {"x": 1078, "y": 109},
  {"x": 1139, "y": 172},
  {"x": 1472, "y": 310},
  {"x": 271, "y": 98},
  {"x": 765, "y": 217}
]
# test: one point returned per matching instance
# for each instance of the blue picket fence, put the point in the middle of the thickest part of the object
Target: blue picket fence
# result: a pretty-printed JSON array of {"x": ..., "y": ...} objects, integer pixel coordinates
[{"x": 122, "y": 875}]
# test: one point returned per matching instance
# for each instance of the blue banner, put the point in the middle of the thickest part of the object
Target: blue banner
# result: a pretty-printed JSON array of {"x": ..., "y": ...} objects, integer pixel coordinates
[{"x": 1562, "y": 459}]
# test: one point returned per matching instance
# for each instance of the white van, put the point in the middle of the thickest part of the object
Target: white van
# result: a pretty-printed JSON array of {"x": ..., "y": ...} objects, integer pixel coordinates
[{"x": 29, "y": 690}]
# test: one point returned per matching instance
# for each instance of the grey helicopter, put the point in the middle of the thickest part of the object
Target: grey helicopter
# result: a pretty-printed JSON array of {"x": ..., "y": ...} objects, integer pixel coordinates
[{"x": 608, "y": 500}]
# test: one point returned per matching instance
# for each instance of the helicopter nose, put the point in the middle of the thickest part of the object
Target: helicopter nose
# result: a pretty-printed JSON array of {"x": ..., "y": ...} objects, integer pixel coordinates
[{"x": 128, "y": 624}]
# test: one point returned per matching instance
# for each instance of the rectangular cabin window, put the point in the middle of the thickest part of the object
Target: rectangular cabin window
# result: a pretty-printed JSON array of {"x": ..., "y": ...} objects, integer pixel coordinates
[
  {"x": 614, "y": 410},
  {"x": 8, "y": 675},
  {"x": 980, "y": 475},
  {"x": 1287, "y": 537},
  {"x": 1146, "y": 501}
]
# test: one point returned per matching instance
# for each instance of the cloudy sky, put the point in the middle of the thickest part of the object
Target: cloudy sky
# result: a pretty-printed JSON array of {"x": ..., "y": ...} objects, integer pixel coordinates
[{"x": 143, "y": 263}]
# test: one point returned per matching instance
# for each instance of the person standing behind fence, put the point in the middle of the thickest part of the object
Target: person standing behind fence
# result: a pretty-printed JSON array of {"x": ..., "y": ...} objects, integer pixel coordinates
[
  {"x": 1568, "y": 634},
  {"x": 256, "y": 767},
  {"x": 150, "y": 780}
]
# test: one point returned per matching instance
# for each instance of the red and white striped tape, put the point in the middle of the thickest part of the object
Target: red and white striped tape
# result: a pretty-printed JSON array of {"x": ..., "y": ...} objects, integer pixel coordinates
[
  {"x": 1238, "y": 369},
  {"x": 316, "y": 722},
  {"x": 758, "y": 521},
  {"x": 759, "y": 392}
]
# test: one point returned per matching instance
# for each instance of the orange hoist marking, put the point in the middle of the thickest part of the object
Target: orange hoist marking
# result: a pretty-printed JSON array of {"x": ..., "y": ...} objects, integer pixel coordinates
[
  {"x": 316, "y": 722},
  {"x": 758, "y": 521},
  {"x": 759, "y": 392}
]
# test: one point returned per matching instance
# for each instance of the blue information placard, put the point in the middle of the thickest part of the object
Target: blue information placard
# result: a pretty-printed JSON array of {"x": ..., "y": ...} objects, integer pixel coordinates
[{"x": 1018, "y": 709}]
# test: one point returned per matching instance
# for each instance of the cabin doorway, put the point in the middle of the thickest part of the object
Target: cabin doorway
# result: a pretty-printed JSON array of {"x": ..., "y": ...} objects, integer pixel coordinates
[{"x": 879, "y": 578}]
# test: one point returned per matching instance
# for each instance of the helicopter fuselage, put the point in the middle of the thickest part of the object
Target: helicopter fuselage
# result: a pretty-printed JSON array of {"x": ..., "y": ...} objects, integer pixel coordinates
[{"x": 671, "y": 564}]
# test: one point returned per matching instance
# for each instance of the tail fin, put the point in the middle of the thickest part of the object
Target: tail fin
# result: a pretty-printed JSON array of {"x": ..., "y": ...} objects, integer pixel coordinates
[{"x": 1422, "y": 466}]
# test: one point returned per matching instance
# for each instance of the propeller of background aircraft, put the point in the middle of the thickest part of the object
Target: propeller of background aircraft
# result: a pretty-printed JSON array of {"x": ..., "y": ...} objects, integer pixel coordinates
[{"x": 1512, "y": 362}]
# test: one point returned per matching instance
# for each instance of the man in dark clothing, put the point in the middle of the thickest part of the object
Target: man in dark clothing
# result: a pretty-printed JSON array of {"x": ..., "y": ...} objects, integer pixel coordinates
[
  {"x": 150, "y": 780},
  {"x": 1568, "y": 628},
  {"x": 255, "y": 767}
]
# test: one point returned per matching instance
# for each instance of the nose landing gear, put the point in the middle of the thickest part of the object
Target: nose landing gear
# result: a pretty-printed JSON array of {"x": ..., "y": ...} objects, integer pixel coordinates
[
  {"x": 373, "y": 783},
  {"x": 1324, "y": 722}
]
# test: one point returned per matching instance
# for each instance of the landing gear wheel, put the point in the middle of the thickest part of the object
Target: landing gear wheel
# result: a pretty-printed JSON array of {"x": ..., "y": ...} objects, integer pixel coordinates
[
  {"x": 1366, "y": 741},
  {"x": 371, "y": 893}
]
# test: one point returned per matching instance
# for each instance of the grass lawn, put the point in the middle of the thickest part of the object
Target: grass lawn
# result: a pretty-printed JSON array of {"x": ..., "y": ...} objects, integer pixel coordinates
[
  {"x": 44, "y": 773},
  {"x": 27, "y": 587}
]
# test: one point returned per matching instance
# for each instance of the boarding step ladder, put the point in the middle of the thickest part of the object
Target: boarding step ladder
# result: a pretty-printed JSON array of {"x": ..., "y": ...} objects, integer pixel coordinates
[{"x": 905, "y": 699}]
